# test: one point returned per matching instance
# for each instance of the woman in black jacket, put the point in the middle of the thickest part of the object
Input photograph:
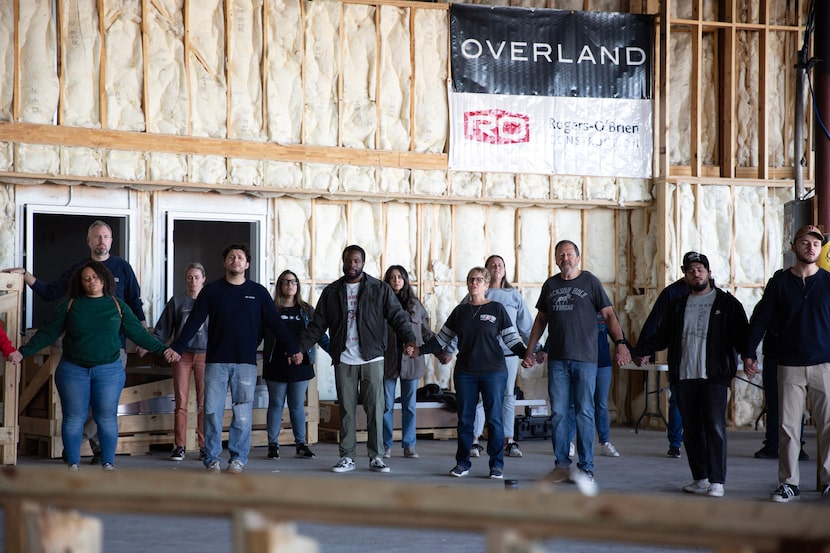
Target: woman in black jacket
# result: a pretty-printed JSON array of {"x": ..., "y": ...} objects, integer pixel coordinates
[{"x": 284, "y": 380}]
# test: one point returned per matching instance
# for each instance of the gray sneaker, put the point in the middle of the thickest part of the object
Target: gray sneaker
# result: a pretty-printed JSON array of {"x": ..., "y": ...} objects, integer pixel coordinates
[
  {"x": 213, "y": 466},
  {"x": 410, "y": 453},
  {"x": 235, "y": 466}
]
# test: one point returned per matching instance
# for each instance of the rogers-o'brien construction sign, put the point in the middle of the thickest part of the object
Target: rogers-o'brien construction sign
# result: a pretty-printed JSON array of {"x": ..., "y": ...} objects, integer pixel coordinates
[{"x": 550, "y": 91}]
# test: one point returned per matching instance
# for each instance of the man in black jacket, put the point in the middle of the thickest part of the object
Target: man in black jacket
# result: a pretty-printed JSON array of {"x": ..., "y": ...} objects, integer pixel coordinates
[
  {"x": 356, "y": 309},
  {"x": 704, "y": 332}
]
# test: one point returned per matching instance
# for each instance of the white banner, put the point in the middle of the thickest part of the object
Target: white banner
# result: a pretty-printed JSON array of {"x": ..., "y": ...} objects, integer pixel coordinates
[{"x": 604, "y": 137}]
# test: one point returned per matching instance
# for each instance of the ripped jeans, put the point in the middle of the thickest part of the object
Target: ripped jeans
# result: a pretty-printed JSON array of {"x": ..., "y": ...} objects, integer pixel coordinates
[{"x": 241, "y": 378}]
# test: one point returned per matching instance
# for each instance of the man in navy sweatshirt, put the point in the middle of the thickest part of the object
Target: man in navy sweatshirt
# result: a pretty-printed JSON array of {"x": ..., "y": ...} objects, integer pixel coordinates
[
  {"x": 796, "y": 306},
  {"x": 237, "y": 308}
]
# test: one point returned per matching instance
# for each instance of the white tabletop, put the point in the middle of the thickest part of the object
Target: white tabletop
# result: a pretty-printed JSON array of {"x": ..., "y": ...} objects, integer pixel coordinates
[{"x": 646, "y": 367}]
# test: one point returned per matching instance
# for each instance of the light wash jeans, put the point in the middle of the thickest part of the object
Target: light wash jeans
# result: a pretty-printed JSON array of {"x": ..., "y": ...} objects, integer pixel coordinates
[
  {"x": 572, "y": 382},
  {"x": 408, "y": 409},
  {"x": 277, "y": 392},
  {"x": 508, "y": 410},
  {"x": 80, "y": 388},
  {"x": 241, "y": 378}
]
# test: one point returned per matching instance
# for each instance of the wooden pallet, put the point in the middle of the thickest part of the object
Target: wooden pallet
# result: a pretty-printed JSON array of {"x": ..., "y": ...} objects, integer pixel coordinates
[
  {"x": 11, "y": 288},
  {"x": 332, "y": 436}
]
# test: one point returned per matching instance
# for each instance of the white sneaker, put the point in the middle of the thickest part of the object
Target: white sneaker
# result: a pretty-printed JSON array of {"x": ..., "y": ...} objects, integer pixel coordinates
[
  {"x": 697, "y": 486},
  {"x": 376, "y": 464},
  {"x": 476, "y": 449},
  {"x": 608, "y": 449},
  {"x": 571, "y": 449},
  {"x": 585, "y": 482},
  {"x": 715, "y": 490},
  {"x": 235, "y": 466},
  {"x": 345, "y": 464},
  {"x": 387, "y": 452}
]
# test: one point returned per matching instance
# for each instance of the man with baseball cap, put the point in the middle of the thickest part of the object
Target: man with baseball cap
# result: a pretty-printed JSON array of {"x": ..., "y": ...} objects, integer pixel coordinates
[
  {"x": 675, "y": 290},
  {"x": 703, "y": 331},
  {"x": 796, "y": 306}
]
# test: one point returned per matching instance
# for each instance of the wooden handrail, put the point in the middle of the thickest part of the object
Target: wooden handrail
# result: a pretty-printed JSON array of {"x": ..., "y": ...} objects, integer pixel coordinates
[{"x": 535, "y": 513}]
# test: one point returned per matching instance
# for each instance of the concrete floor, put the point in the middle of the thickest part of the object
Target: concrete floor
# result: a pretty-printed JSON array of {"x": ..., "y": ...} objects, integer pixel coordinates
[{"x": 642, "y": 467}]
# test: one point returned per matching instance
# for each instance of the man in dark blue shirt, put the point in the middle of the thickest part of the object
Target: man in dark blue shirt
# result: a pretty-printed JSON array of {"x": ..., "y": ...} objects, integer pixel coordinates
[{"x": 237, "y": 308}]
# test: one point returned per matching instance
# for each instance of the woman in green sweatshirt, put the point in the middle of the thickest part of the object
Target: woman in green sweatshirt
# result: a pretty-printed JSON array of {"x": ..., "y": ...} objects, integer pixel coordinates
[{"x": 90, "y": 372}]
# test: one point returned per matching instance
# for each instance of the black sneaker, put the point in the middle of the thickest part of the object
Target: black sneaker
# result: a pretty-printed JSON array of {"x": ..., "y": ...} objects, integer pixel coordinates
[
  {"x": 177, "y": 454},
  {"x": 202, "y": 453},
  {"x": 273, "y": 451},
  {"x": 96, "y": 452},
  {"x": 766, "y": 452},
  {"x": 785, "y": 493},
  {"x": 673, "y": 452},
  {"x": 304, "y": 453}
]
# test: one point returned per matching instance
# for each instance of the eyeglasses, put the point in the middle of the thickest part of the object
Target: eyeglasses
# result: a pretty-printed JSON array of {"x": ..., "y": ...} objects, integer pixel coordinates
[
  {"x": 292, "y": 282},
  {"x": 476, "y": 280}
]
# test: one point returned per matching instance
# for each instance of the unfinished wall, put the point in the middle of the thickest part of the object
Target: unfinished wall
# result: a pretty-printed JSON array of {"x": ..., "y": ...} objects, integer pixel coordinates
[{"x": 335, "y": 114}]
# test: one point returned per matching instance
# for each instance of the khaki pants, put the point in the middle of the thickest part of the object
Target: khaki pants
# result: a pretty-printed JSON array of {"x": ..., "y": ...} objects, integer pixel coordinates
[
  {"x": 366, "y": 380},
  {"x": 795, "y": 384}
]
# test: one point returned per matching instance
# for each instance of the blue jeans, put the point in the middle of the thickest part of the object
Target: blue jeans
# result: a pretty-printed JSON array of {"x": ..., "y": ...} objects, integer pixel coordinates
[
  {"x": 508, "y": 406},
  {"x": 467, "y": 389},
  {"x": 675, "y": 426},
  {"x": 602, "y": 420},
  {"x": 79, "y": 389},
  {"x": 408, "y": 407},
  {"x": 241, "y": 378},
  {"x": 572, "y": 382},
  {"x": 277, "y": 392}
]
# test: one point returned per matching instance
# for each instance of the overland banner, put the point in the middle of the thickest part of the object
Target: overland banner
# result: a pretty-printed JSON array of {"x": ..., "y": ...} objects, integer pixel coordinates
[{"x": 550, "y": 91}]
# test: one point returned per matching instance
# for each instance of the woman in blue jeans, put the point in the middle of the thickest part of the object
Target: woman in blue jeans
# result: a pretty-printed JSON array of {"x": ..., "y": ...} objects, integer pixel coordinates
[
  {"x": 481, "y": 326},
  {"x": 396, "y": 365},
  {"x": 284, "y": 380},
  {"x": 90, "y": 373}
]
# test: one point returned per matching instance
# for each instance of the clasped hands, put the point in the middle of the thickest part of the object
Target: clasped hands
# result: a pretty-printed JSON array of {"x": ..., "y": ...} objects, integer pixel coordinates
[{"x": 411, "y": 350}]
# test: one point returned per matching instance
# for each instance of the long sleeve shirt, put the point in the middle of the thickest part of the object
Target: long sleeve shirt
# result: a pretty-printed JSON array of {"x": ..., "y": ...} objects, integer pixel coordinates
[
  {"x": 91, "y": 328},
  {"x": 236, "y": 313}
]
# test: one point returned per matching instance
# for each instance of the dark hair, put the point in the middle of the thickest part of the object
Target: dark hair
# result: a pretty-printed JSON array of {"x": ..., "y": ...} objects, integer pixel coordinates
[
  {"x": 406, "y": 294},
  {"x": 76, "y": 287},
  {"x": 354, "y": 248},
  {"x": 504, "y": 282},
  {"x": 565, "y": 243},
  {"x": 243, "y": 247},
  {"x": 279, "y": 299}
]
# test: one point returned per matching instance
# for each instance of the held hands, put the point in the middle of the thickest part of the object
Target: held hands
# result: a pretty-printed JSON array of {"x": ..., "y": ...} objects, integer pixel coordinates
[
  {"x": 641, "y": 360},
  {"x": 411, "y": 350},
  {"x": 529, "y": 360},
  {"x": 15, "y": 357},
  {"x": 171, "y": 356},
  {"x": 443, "y": 357},
  {"x": 750, "y": 367},
  {"x": 623, "y": 356}
]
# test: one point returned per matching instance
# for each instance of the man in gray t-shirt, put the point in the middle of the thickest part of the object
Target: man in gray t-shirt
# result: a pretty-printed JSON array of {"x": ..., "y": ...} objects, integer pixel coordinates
[{"x": 568, "y": 307}]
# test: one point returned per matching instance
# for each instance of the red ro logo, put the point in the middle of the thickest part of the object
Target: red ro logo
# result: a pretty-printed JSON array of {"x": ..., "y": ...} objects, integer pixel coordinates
[{"x": 496, "y": 126}]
